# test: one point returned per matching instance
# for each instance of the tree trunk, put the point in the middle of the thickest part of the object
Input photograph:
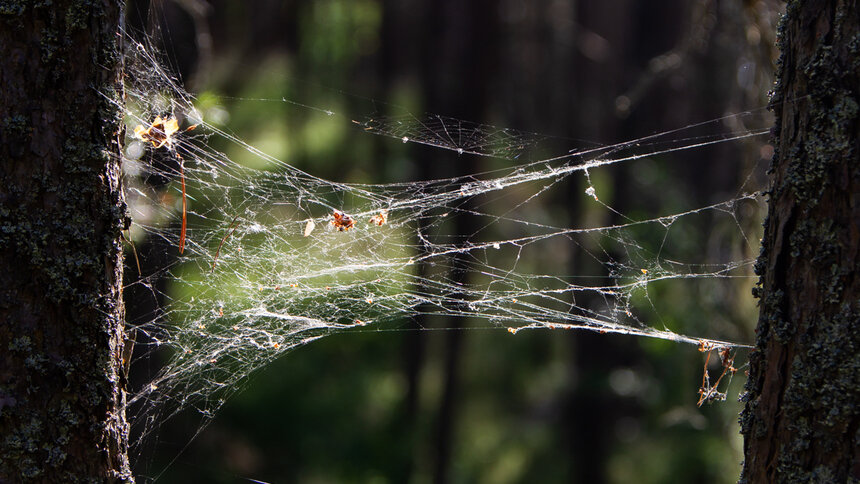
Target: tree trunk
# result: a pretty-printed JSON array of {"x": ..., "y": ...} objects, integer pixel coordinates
[
  {"x": 62, "y": 392},
  {"x": 801, "y": 422}
]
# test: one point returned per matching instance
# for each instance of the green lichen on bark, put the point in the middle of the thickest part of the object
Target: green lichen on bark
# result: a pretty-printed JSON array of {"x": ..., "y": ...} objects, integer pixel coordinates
[
  {"x": 61, "y": 412},
  {"x": 12, "y": 8},
  {"x": 800, "y": 419}
]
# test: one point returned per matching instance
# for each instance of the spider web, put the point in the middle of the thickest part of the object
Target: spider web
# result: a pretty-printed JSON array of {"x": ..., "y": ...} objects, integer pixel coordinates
[{"x": 265, "y": 270}]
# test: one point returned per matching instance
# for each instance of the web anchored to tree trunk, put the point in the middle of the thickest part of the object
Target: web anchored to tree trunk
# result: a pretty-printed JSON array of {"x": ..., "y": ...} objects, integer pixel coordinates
[{"x": 275, "y": 257}]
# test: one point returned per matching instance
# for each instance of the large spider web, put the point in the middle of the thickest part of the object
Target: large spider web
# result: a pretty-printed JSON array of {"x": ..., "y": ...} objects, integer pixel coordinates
[{"x": 265, "y": 270}]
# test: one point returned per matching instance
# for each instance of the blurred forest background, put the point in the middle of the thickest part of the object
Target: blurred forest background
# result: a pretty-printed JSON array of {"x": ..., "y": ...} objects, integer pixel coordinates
[{"x": 481, "y": 406}]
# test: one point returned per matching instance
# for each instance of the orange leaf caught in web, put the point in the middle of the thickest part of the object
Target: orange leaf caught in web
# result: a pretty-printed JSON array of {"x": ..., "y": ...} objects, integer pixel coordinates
[{"x": 159, "y": 133}]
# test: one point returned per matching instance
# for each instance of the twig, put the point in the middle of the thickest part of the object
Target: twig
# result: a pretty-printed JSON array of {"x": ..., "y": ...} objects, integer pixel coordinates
[
  {"x": 184, "y": 203},
  {"x": 231, "y": 228},
  {"x": 134, "y": 251}
]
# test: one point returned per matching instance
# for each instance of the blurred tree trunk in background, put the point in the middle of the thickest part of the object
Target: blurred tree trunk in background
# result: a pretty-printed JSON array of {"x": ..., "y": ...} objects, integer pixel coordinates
[
  {"x": 398, "y": 63},
  {"x": 592, "y": 410},
  {"x": 62, "y": 416},
  {"x": 801, "y": 422},
  {"x": 456, "y": 82}
]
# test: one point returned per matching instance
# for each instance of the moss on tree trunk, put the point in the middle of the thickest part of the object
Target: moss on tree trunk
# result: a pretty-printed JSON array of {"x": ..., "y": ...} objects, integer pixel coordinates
[
  {"x": 61, "y": 392},
  {"x": 801, "y": 421}
]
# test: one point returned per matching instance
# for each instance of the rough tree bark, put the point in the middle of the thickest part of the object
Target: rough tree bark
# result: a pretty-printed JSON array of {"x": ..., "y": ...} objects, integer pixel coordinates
[
  {"x": 801, "y": 421},
  {"x": 61, "y": 388}
]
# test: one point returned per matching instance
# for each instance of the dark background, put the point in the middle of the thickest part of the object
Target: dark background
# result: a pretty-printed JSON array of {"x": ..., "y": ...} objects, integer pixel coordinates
[{"x": 482, "y": 406}]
